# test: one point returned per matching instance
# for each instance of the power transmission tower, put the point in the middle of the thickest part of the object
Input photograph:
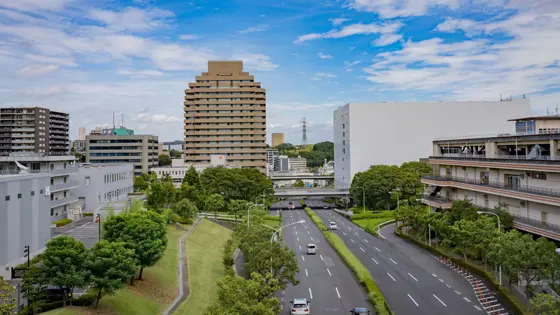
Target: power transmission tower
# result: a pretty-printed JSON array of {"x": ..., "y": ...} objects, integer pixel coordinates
[{"x": 304, "y": 132}]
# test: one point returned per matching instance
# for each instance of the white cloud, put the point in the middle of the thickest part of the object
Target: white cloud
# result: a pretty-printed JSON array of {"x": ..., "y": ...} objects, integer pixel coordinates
[
  {"x": 338, "y": 21},
  {"x": 36, "y": 5},
  {"x": 253, "y": 29},
  {"x": 387, "y": 39},
  {"x": 320, "y": 75},
  {"x": 352, "y": 29},
  {"x": 37, "y": 70},
  {"x": 132, "y": 19},
  {"x": 256, "y": 61},
  {"x": 177, "y": 57},
  {"x": 189, "y": 36},
  {"x": 140, "y": 73},
  {"x": 388, "y": 9},
  {"x": 56, "y": 60},
  {"x": 323, "y": 56}
]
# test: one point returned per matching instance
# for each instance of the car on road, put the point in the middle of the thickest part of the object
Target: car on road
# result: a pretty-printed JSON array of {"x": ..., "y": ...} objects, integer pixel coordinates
[
  {"x": 333, "y": 226},
  {"x": 300, "y": 306},
  {"x": 311, "y": 249},
  {"x": 291, "y": 205},
  {"x": 325, "y": 207},
  {"x": 359, "y": 311}
]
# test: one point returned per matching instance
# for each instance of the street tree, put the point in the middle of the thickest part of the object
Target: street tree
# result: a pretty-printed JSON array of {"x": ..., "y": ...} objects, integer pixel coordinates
[
  {"x": 192, "y": 178},
  {"x": 416, "y": 167},
  {"x": 7, "y": 299},
  {"x": 110, "y": 265},
  {"x": 64, "y": 264},
  {"x": 273, "y": 258},
  {"x": 464, "y": 235},
  {"x": 33, "y": 285},
  {"x": 214, "y": 203},
  {"x": 487, "y": 232},
  {"x": 140, "y": 183},
  {"x": 239, "y": 183},
  {"x": 545, "y": 304},
  {"x": 237, "y": 206},
  {"x": 161, "y": 195},
  {"x": 299, "y": 183},
  {"x": 185, "y": 208}
]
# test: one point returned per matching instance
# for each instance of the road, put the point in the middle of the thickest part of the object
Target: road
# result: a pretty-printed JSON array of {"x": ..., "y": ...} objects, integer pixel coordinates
[
  {"x": 412, "y": 281},
  {"x": 323, "y": 277}
]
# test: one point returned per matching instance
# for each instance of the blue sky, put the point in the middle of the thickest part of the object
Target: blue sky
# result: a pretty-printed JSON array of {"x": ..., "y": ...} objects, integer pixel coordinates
[{"x": 93, "y": 58}]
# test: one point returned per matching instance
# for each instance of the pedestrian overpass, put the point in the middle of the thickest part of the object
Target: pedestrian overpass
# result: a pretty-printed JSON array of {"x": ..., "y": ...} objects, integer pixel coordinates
[{"x": 309, "y": 192}]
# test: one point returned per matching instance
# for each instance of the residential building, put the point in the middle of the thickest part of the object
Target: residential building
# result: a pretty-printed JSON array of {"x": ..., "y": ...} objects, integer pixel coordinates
[
  {"x": 390, "y": 133},
  {"x": 277, "y": 139},
  {"x": 33, "y": 129},
  {"x": 160, "y": 148},
  {"x": 519, "y": 170},
  {"x": 102, "y": 185},
  {"x": 179, "y": 168},
  {"x": 271, "y": 158},
  {"x": 297, "y": 164},
  {"x": 225, "y": 114},
  {"x": 79, "y": 146},
  {"x": 82, "y": 134},
  {"x": 24, "y": 217},
  {"x": 61, "y": 190},
  {"x": 122, "y": 146},
  {"x": 282, "y": 164}
]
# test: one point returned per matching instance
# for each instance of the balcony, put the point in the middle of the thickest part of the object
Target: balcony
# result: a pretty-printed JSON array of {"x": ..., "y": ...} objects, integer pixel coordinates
[
  {"x": 64, "y": 186},
  {"x": 522, "y": 192},
  {"x": 437, "y": 202},
  {"x": 537, "y": 227},
  {"x": 63, "y": 201},
  {"x": 64, "y": 171}
]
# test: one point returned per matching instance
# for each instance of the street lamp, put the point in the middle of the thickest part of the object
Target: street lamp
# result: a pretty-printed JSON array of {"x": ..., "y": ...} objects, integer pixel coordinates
[
  {"x": 249, "y": 207},
  {"x": 558, "y": 251},
  {"x": 278, "y": 230},
  {"x": 499, "y": 230},
  {"x": 363, "y": 197}
]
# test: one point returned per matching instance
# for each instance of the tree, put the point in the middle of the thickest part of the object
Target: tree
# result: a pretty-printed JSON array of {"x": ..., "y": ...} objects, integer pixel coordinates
[
  {"x": 416, "y": 167},
  {"x": 164, "y": 160},
  {"x": 214, "y": 203},
  {"x": 463, "y": 234},
  {"x": 175, "y": 154},
  {"x": 264, "y": 258},
  {"x": 192, "y": 177},
  {"x": 191, "y": 193},
  {"x": 64, "y": 264},
  {"x": 7, "y": 299},
  {"x": 110, "y": 265},
  {"x": 286, "y": 147},
  {"x": 239, "y": 183},
  {"x": 140, "y": 183},
  {"x": 236, "y": 206},
  {"x": 545, "y": 304},
  {"x": 299, "y": 183},
  {"x": 487, "y": 232},
  {"x": 185, "y": 209},
  {"x": 161, "y": 195},
  {"x": 33, "y": 286}
]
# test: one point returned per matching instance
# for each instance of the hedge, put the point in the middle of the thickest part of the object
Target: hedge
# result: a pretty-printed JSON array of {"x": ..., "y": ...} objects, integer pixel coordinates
[
  {"x": 86, "y": 299},
  {"x": 316, "y": 219},
  {"x": 302, "y": 203},
  {"x": 87, "y": 214},
  {"x": 62, "y": 222},
  {"x": 511, "y": 301}
]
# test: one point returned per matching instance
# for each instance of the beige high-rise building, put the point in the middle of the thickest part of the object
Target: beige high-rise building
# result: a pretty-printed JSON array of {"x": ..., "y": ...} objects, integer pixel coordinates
[
  {"x": 277, "y": 139},
  {"x": 81, "y": 133},
  {"x": 225, "y": 113}
]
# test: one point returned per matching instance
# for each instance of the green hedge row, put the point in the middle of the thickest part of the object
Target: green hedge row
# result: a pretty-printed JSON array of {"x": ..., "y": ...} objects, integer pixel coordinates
[
  {"x": 374, "y": 294},
  {"x": 87, "y": 214},
  {"x": 512, "y": 302},
  {"x": 62, "y": 222},
  {"x": 86, "y": 299}
]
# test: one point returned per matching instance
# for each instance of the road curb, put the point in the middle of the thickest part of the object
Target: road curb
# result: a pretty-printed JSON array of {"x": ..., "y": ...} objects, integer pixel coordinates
[{"x": 181, "y": 295}]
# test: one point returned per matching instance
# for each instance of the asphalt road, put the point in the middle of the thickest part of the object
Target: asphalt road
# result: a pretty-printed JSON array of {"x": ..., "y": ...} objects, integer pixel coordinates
[
  {"x": 323, "y": 277},
  {"x": 411, "y": 280}
]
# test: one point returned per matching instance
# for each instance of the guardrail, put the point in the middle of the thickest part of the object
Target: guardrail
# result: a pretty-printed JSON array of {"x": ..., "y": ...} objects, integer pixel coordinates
[
  {"x": 537, "y": 223},
  {"x": 501, "y": 157}
]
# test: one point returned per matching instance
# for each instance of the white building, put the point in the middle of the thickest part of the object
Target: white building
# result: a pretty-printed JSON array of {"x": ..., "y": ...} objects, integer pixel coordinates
[
  {"x": 24, "y": 217},
  {"x": 367, "y": 134},
  {"x": 520, "y": 170},
  {"x": 297, "y": 164},
  {"x": 179, "y": 168},
  {"x": 61, "y": 190},
  {"x": 102, "y": 186}
]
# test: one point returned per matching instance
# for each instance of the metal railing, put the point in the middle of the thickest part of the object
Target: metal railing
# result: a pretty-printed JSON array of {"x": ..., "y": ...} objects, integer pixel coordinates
[
  {"x": 521, "y": 188},
  {"x": 437, "y": 199},
  {"x": 63, "y": 186},
  {"x": 537, "y": 223},
  {"x": 488, "y": 135},
  {"x": 501, "y": 156}
]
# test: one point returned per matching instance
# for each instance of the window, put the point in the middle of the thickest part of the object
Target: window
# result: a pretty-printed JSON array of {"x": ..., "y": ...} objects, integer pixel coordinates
[
  {"x": 538, "y": 175},
  {"x": 7, "y": 198},
  {"x": 40, "y": 192},
  {"x": 343, "y": 126},
  {"x": 33, "y": 193},
  {"x": 88, "y": 181},
  {"x": 19, "y": 196}
]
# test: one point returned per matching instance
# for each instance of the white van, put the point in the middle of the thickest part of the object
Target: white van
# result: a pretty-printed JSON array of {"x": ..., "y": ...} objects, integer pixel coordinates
[{"x": 311, "y": 249}]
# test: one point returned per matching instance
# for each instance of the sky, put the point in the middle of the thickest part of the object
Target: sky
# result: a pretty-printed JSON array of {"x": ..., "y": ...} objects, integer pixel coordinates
[{"x": 93, "y": 58}]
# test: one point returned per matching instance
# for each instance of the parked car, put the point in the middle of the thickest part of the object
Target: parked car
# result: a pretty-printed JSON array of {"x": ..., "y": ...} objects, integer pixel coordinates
[
  {"x": 311, "y": 249},
  {"x": 300, "y": 306},
  {"x": 333, "y": 226},
  {"x": 359, "y": 311}
]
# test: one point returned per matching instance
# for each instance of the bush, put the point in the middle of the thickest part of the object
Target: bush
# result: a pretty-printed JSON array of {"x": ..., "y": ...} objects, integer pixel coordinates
[
  {"x": 62, "y": 222},
  {"x": 33, "y": 261},
  {"x": 44, "y": 307},
  {"x": 316, "y": 219},
  {"x": 86, "y": 299},
  {"x": 87, "y": 214},
  {"x": 302, "y": 203}
]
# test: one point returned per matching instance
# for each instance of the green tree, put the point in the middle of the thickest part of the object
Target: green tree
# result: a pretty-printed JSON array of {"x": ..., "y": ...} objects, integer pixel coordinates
[
  {"x": 64, "y": 264},
  {"x": 140, "y": 183},
  {"x": 487, "y": 233},
  {"x": 191, "y": 193},
  {"x": 175, "y": 154},
  {"x": 214, "y": 203},
  {"x": 464, "y": 235},
  {"x": 192, "y": 178},
  {"x": 236, "y": 207},
  {"x": 239, "y": 183},
  {"x": 110, "y": 265},
  {"x": 164, "y": 160},
  {"x": 33, "y": 285},
  {"x": 545, "y": 304},
  {"x": 161, "y": 195},
  {"x": 264, "y": 258},
  {"x": 299, "y": 183},
  {"x": 7, "y": 299},
  {"x": 185, "y": 209},
  {"x": 416, "y": 167}
]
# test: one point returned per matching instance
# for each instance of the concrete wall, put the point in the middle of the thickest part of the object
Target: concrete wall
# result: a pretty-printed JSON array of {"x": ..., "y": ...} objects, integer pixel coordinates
[
  {"x": 24, "y": 218},
  {"x": 393, "y": 133},
  {"x": 341, "y": 136}
]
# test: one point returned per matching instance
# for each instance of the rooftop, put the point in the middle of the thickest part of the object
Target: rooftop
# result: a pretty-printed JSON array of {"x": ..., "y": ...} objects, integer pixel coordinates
[
  {"x": 10, "y": 177},
  {"x": 36, "y": 157},
  {"x": 547, "y": 117}
]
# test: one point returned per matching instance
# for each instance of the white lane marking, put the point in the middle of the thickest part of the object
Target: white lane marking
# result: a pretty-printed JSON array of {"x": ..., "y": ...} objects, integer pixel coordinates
[
  {"x": 349, "y": 228},
  {"x": 478, "y": 308},
  {"x": 294, "y": 227},
  {"x": 344, "y": 233},
  {"x": 302, "y": 257},
  {"x": 362, "y": 250},
  {"x": 377, "y": 249},
  {"x": 375, "y": 261},
  {"x": 365, "y": 240},
  {"x": 352, "y": 241},
  {"x": 440, "y": 280},
  {"x": 321, "y": 256},
  {"x": 448, "y": 286},
  {"x": 410, "y": 297},
  {"x": 329, "y": 272},
  {"x": 295, "y": 232},
  {"x": 307, "y": 232},
  {"x": 306, "y": 274},
  {"x": 310, "y": 294},
  {"x": 298, "y": 239},
  {"x": 383, "y": 237},
  {"x": 412, "y": 276},
  {"x": 457, "y": 292},
  {"x": 434, "y": 275},
  {"x": 356, "y": 233},
  {"x": 465, "y": 298},
  {"x": 337, "y": 293},
  {"x": 299, "y": 247},
  {"x": 394, "y": 262},
  {"x": 439, "y": 300},
  {"x": 391, "y": 276}
]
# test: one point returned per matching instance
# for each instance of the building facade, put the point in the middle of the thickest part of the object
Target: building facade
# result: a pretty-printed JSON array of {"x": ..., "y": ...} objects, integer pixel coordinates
[
  {"x": 81, "y": 134},
  {"x": 179, "y": 168},
  {"x": 102, "y": 185},
  {"x": 520, "y": 171},
  {"x": 225, "y": 114},
  {"x": 33, "y": 130},
  {"x": 79, "y": 146},
  {"x": 24, "y": 217},
  {"x": 277, "y": 139},
  {"x": 297, "y": 164},
  {"x": 367, "y": 134},
  {"x": 139, "y": 150}
]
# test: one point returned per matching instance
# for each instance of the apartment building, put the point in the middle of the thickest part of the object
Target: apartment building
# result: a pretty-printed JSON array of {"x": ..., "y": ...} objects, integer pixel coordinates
[
  {"x": 33, "y": 129},
  {"x": 178, "y": 168},
  {"x": 225, "y": 114},
  {"x": 271, "y": 158},
  {"x": 122, "y": 146},
  {"x": 520, "y": 170},
  {"x": 24, "y": 217},
  {"x": 297, "y": 164},
  {"x": 277, "y": 139},
  {"x": 391, "y": 133}
]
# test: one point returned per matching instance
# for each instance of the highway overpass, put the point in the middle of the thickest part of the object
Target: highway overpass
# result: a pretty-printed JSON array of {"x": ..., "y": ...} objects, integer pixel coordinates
[
  {"x": 302, "y": 177},
  {"x": 309, "y": 192}
]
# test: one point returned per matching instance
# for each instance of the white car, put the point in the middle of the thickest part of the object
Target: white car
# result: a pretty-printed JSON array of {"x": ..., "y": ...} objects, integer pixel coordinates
[
  {"x": 311, "y": 249},
  {"x": 300, "y": 306},
  {"x": 333, "y": 226}
]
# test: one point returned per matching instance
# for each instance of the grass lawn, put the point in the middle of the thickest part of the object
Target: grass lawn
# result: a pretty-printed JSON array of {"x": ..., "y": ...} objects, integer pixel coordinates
[
  {"x": 204, "y": 258},
  {"x": 372, "y": 219},
  {"x": 149, "y": 296},
  {"x": 273, "y": 221}
]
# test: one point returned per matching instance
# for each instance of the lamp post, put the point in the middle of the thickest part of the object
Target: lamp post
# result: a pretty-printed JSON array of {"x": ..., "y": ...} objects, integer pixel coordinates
[
  {"x": 499, "y": 230},
  {"x": 249, "y": 207},
  {"x": 278, "y": 230},
  {"x": 363, "y": 197}
]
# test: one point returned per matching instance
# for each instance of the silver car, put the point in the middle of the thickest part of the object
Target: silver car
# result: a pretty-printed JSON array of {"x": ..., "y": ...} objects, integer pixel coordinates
[
  {"x": 300, "y": 306},
  {"x": 333, "y": 226},
  {"x": 311, "y": 249}
]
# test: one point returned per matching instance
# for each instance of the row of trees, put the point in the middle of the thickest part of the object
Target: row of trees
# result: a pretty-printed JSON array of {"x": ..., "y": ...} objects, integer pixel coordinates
[
  {"x": 385, "y": 185},
  {"x": 315, "y": 156},
  {"x": 132, "y": 241},
  {"x": 475, "y": 236}
]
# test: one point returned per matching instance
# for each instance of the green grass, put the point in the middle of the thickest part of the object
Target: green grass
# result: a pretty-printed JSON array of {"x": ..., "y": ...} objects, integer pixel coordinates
[
  {"x": 273, "y": 221},
  {"x": 369, "y": 220},
  {"x": 315, "y": 218},
  {"x": 204, "y": 258}
]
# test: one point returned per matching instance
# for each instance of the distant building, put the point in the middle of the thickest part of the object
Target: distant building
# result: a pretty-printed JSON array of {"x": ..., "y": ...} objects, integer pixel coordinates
[
  {"x": 82, "y": 134},
  {"x": 277, "y": 139},
  {"x": 271, "y": 158},
  {"x": 24, "y": 218},
  {"x": 33, "y": 130},
  {"x": 282, "y": 164},
  {"x": 391, "y": 133},
  {"x": 160, "y": 148},
  {"x": 96, "y": 131},
  {"x": 297, "y": 164},
  {"x": 179, "y": 168},
  {"x": 79, "y": 146}
]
